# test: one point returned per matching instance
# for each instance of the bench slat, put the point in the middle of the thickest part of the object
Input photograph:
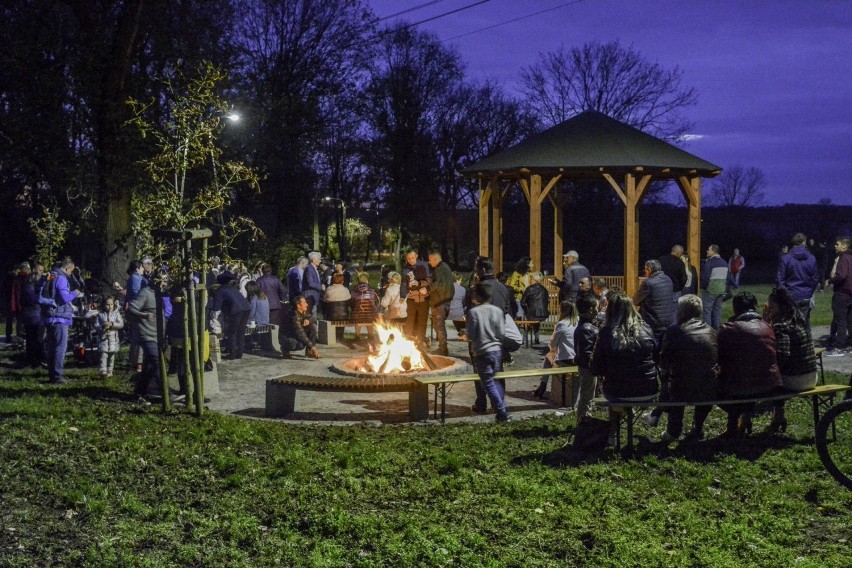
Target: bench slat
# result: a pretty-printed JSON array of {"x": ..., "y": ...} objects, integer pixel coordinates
[{"x": 818, "y": 390}]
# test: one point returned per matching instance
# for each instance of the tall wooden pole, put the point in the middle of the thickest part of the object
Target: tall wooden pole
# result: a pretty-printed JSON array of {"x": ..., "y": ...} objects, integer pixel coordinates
[
  {"x": 691, "y": 189},
  {"x": 193, "y": 328},
  {"x": 535, "y": 220},
  {"x": 485, "y": 195},
  {"x": 497, "y": 231}
]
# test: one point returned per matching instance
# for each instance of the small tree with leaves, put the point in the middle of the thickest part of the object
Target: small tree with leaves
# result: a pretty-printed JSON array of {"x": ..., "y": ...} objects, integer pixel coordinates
[
  {"x": 190, "y": 185},
  {"x": 50, "y": 232}
]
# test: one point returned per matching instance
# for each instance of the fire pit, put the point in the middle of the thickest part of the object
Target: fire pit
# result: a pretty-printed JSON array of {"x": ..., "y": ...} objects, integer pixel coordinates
[{"x": 396, "y": 356}]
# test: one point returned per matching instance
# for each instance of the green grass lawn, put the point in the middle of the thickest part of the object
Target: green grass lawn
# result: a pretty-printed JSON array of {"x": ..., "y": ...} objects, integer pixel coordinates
[{"x": 90, "y": 478}]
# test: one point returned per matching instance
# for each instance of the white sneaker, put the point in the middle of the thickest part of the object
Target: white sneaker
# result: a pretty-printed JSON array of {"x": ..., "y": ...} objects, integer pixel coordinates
[
  {"x": 834, "y": 353},
  {"x": 650, "y": 420}
]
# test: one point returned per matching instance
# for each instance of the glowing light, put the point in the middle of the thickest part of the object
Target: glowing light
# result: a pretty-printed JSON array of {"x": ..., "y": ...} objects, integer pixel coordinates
[{"x": 393, "y": 353}]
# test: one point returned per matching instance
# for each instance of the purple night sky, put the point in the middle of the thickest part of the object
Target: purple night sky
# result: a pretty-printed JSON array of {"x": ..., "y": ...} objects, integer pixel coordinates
[{"x": 774, "y": 77}]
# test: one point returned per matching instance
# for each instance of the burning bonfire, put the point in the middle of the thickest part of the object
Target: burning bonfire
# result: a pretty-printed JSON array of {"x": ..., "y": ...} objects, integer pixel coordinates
[{"x": 394, "y": 353}]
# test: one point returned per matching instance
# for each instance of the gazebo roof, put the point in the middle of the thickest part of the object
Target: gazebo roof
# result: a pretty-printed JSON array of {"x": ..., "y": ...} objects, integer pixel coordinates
[{"x": 590, "y": 143}]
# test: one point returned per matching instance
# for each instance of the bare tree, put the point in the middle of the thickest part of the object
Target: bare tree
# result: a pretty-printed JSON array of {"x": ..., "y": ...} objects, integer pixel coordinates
[
  {"x": 611, "y": 79},
  {"x": 738, "y": 186}
]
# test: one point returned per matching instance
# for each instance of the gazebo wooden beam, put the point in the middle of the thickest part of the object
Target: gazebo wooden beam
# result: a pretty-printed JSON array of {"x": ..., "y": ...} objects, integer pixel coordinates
[
  {"x": 534, "y": 196},
  {"x": 557, "y": 235},
  {"x": 485, "y": 194},
  {"x": 691, "y": 189}
]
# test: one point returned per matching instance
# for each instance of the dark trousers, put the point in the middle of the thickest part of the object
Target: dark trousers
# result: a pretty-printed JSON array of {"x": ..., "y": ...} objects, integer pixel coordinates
[
  {"x": 841, "y": 308},
  {"x": 293, "y": 344},
  {"x": 675, "y": 424},
  {"x": 33, "y": 335},
  {"x": 415, "y": 324},
  {"x": 235, "y": 342},
  {"x": 439, "y": 323},
  {"x": 148, "y": 382}
]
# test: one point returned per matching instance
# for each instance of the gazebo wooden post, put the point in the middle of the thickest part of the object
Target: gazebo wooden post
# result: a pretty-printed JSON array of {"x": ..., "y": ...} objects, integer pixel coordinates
[
  {"x": 691, "y": 189},
  {"x": 497, "y": 231},
  {"x": 484, "y": 201},
  {"x": 557, "y": 237},
  {"x": 631, "y": 237},
  {"x": 535, "y": 220}
]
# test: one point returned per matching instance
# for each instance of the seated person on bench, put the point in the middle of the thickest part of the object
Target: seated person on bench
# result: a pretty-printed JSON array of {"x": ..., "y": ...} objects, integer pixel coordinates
[
  {"x": 794, "y": 349},
  {"x": 688, "y": 362},
  {"x": 300, "y": 330},
  {"x": 747, "y": 364},
  {"x": 335, "y": 301},
  {"x": 624, "y": 354}
]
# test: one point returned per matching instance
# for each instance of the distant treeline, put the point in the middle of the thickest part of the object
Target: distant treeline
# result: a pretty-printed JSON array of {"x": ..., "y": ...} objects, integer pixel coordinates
[{"x": 759, "y": 233}]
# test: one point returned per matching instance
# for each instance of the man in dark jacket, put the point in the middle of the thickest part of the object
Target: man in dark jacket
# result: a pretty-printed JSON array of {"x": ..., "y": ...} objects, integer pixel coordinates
[
  {"x": 535, "y": 301},
  {"x": 585, "y": 337},
  {"x": 841, "y": 301},
  {"x": 234, "y": 309},
  {"x": 573, "y": 271},
  {"x": 798, "y": 272},
  {"x": 688, "y": 364},
  {"x": 300, "y": 329},
  {"x": 441, "y": 290},
  {"x": 275, "y": 292},
  {"x": 747, "y": 363},
  {"x": 654, "y": 300},
  {"x": 674, "y": 268}
]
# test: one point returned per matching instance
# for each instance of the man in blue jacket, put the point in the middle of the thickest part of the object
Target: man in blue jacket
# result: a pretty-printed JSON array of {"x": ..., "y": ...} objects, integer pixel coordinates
[
  {"x": 57, "y": 316},
  {"x": 798, "y": 272}
]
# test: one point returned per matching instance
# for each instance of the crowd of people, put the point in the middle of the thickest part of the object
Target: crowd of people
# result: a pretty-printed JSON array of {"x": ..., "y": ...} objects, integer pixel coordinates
[{"x": 667, "y": 342}]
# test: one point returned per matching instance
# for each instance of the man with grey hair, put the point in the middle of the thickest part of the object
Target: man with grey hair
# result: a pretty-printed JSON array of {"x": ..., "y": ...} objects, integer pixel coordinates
[
  {"x": 294, "y": 278},
  {"x": 654, "y": 300},
  {"x": 311, "y": 282},
  {"x": 574, "y": 271}
]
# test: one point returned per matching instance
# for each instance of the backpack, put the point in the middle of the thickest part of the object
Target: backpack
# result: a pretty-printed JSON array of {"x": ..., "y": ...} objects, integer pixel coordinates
[{"x": 47, "y": 296}]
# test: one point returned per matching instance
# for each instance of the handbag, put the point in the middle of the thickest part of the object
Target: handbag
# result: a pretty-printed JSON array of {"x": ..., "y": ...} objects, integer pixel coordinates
[
  {"x": 592, "y": 434},
  {"x": 512, "y": 338},
  {"x": 729, "y": 293}
]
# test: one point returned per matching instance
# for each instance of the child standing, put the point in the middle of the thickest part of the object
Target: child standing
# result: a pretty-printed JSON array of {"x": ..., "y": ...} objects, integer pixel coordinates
[
  {"x": 585, "y": 336},
  {"x": 109, "y": 322}
]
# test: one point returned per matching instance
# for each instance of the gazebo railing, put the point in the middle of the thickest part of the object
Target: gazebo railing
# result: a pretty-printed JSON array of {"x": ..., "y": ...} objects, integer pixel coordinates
[{"x": 553, "y": 305}]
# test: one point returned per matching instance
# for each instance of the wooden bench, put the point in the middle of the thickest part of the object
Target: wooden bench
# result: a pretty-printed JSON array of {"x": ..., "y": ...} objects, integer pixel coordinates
[
  {"x": 440, "y": 382},
  {"x": 822, "y": 396},
  {"x": 268, "y": 334},
  {"x": 526, "y": 327},
  {"x": 327, "y": 330},
  {"x": 281, "y": 391}
]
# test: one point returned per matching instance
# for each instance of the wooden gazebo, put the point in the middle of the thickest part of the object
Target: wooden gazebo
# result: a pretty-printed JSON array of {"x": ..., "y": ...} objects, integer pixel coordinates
[{"x": 588, "y": 146}]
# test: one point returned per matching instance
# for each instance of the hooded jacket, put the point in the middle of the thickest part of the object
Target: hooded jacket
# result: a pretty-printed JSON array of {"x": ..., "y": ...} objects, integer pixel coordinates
[{"x": 798, "y": 272}]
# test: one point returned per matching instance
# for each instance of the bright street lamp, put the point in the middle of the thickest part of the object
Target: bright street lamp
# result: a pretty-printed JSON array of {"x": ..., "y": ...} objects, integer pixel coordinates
[{"x": 342, "y": 235}]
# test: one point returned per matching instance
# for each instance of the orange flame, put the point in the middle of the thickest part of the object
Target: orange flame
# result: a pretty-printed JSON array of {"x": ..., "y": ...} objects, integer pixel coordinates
[{"x": 394, "y": 352}]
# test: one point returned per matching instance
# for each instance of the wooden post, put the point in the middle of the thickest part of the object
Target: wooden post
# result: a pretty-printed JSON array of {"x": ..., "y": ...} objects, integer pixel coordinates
[
  {"x": 161, "y": 356},
  {"x": 203, "y": 337},
  {"x": 557, "y": 237},
  {"x": 632, "y": 195},
  {"x": 188, "y": 381},
  {"x": 691, "y": 189},
  {"x": 485, "y": 195},
  {"x": 497, "y": 230},
  {"x": 535, "y": 220}
]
